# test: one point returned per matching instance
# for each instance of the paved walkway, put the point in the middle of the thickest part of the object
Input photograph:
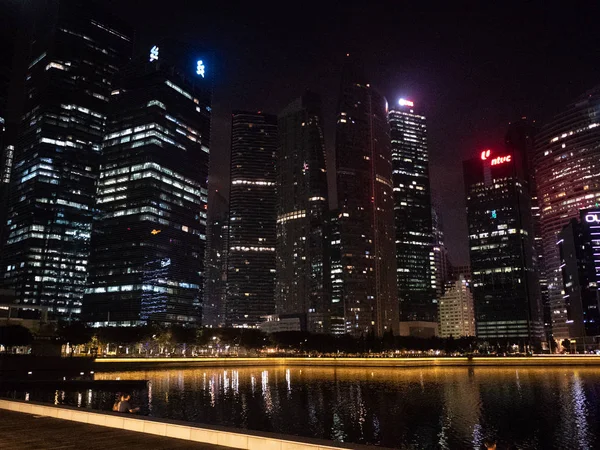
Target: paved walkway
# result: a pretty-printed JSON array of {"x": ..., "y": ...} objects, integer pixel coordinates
[{"x": 26, "y": 431}]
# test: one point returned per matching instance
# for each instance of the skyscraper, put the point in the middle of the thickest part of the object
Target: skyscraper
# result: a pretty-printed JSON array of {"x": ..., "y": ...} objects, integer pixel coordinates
[
  {"x": 74, "y": 55},
  {"x": 15, "y": 26},
  {"x": 520, "y": 137},
  {"x": 412, "y": 212},
  {"x": 302, "y": 285},
  {"x": 502, "y": 249},
  {"x": 215, "y": 273},
  {"x": 338, "y": 307},
  {"x": 366, "y": 204},
  {"x": 441, "y": 262},
  {"x": 567, "y": 168},
  {"x": 580, "y": 272},
  {"x": 148, "y": 243},
  {"x": 252, "y": 219}
]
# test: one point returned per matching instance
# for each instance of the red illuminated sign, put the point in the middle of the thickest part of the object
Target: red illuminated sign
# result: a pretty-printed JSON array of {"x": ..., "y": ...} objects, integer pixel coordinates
[
  {"x": 501, "y": 160},
  {"x": 485, "y": 154}
]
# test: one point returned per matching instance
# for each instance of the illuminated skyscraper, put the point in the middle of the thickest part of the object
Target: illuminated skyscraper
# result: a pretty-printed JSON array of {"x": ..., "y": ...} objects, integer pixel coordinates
[
  {"x": 15, "y": 26},
  {"x": 74, "y": 55},
  {"x": 580, "y": 272},
  {"x": 412, "y": 213},
  {"x": 520, "y": 137},
  {"x": 502, "y": 249},
  {"x": 215, "y": 273},
  {"x": 302, "y": 285},
  {"x": 252, "y": 219},
  {"x": 567, "y": 168},
  {"x": 441, "y": 263},
  {"x": 338, "y": 307},
  {"x": 366, "y": 204},
  {"x": 148, "y": 244}
]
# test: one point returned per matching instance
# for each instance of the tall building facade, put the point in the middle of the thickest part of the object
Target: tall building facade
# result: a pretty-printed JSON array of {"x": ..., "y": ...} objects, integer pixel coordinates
[
  {"x": 252, "y": 219},
  {"x": 74, "y": 56},
  {"x": 502, "y": 249},
  {"x": 148, "y": 242},
  {"x": 338, "y": 307},
  {"x": 412, "y": 213},
  {"x": 215, "y": 273},
  {"x": 8, "y": 21},
  {"x": 302, "y": 284},
  {"x": 567, "y": 169},
  {"x": 580, "y": 272},
  {"x": 366, "y": 204},
  {"x": 456, "y": 310},
  {"x": 520, "y": 138},
  {"x": 15, "y": 28},
  {"x": 441, "y": 261}
]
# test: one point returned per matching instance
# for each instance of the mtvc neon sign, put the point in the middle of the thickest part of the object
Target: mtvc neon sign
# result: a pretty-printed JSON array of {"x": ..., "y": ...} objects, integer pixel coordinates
[{"x": 501, "y": 160}]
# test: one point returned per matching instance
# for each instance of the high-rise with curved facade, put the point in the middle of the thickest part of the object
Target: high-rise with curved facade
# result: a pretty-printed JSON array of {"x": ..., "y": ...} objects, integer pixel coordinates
[
  {"x": 302, "y": 209},
  {"x": 567, "y": 165},
  {"x": 366, "y": 208}
]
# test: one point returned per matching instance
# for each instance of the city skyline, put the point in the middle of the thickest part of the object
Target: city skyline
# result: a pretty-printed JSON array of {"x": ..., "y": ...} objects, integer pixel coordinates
[
  {"x": 469, "y": 72},
  {"x": 489, "y": 63},
  {"x": 302, "y": 224},
  {"x": 381, "y": 169}
]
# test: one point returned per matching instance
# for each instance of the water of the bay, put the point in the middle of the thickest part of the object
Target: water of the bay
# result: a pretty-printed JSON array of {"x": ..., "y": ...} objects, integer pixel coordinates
[{"x": 446, "y": 408}]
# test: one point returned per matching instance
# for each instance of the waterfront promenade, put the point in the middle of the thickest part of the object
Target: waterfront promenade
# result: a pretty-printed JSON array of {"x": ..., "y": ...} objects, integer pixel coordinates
[
  {"x": 70, "y": 427},
  {"x": 20, "y": 431}
]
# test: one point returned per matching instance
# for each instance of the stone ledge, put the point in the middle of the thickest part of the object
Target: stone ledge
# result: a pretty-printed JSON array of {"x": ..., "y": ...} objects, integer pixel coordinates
[{"x": 227, "y": 437}]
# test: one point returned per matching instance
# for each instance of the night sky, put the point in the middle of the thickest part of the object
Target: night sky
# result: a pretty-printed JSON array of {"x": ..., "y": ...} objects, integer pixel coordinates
[{"x": 469, "y": 70}]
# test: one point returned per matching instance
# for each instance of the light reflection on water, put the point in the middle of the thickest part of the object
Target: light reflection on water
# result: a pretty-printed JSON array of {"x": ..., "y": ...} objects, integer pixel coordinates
[
  {"x": 405, "y": 408},
  {"x": 447, "y": 408}
]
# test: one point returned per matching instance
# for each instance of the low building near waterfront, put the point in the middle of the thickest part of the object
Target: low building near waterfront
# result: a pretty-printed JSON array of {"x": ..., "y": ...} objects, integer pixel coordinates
[
  {"x": 283, "y": 322},
  {"x": 456, "y": 312},
  {"x": 420, "y": 329}
]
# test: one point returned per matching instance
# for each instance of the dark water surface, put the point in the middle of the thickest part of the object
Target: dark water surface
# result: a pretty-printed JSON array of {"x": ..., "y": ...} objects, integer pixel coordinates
[{"x": 446, "y": 408}]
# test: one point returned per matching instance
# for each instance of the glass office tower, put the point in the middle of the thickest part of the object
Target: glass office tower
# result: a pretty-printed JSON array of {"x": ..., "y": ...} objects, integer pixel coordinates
[
  {"x": 215, "y": 270},
  {"x": 148, "y": 244},
  {"x": 74, "y": 56},
  {"x": 302, "y": 285},
  {"x": 366, "y": 207},
  {"x": 578, "y": 245},
  {"x": 412, "y": 212},
  {"x": 502, "y": 249},
  {"x": 567, "y": 168},
  {"x": 252, "y": 219}
]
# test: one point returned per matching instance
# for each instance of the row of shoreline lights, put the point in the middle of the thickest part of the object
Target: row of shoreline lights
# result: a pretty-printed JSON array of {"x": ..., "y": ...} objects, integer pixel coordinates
[{"x": 200, "y": 67}]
